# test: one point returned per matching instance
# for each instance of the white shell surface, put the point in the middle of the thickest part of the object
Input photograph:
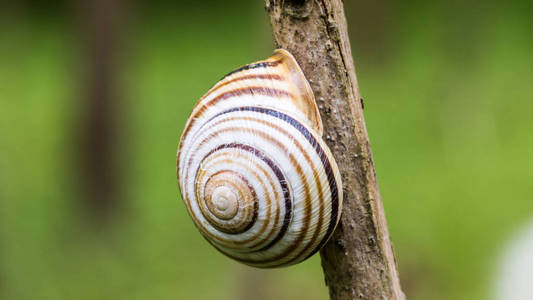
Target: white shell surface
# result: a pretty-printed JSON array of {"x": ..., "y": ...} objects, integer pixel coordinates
[{"x": 258, "y": 181}]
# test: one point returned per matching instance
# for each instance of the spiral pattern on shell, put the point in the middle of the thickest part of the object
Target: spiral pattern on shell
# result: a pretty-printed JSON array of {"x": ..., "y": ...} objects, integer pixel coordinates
[{"x": 256, "y": 177}]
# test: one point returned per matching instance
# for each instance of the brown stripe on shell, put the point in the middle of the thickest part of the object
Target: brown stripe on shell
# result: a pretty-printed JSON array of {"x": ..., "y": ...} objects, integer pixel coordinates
[
  {"x": 283, "y": 182},
  {"x": 252, "y": 90},
  {"x": 221, "y": 84},
  {"x": 257, "y": 65},
  {"x": 307, "y": 159},
  {"x": 335, "y": 199},
  {"x": 240, "y": 227},
  {"x": 275, "y": 169},
  {"x": 294, "y": 162},
  {"x": 281, "y": 62},
  {"x": 268, "y": 205},
  {"x": 299, "y": 93}
]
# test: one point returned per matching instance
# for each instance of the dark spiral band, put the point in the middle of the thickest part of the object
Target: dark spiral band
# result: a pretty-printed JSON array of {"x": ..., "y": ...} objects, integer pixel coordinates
[{"x": 257, "y": 179}]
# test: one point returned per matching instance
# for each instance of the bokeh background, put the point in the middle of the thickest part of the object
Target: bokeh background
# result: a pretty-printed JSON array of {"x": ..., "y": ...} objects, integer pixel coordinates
[{"x": 94, "y": 95}]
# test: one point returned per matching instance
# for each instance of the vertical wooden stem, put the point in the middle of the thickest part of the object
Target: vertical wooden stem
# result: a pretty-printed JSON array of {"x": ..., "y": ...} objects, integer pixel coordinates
[{"x": 358, "y": 261}]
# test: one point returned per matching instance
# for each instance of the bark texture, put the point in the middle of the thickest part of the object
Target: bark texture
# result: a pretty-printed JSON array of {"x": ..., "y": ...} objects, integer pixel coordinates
[{"x": 358, "y": 261}]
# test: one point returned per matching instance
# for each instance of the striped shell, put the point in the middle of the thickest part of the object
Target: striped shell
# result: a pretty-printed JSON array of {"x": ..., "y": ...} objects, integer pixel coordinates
[{"x": 257, "y": 179}]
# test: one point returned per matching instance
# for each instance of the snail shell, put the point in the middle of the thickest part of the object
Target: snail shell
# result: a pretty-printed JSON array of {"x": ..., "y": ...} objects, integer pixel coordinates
[{"x": 256, "y": 177}]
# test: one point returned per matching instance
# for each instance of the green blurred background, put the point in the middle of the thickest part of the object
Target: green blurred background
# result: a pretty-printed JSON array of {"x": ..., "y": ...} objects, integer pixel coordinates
[{"x": 90, "y": 118}]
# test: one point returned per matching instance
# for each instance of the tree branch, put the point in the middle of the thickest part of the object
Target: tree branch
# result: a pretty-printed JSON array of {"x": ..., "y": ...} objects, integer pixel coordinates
[{"x": 358, "y": 261}]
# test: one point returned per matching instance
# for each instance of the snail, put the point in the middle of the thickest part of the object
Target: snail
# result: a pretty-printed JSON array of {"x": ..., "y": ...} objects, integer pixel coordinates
[{"x": 256, "y": 177}]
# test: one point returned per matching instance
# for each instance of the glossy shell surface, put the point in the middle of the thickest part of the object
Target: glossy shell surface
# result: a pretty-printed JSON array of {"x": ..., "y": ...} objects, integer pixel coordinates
[{"x": 255, "y": 175}]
